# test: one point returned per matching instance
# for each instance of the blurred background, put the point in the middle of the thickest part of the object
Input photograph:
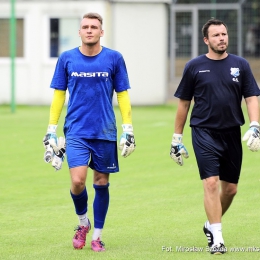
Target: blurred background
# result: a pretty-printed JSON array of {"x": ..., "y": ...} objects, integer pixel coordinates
[{"x": 156, "y": 38}]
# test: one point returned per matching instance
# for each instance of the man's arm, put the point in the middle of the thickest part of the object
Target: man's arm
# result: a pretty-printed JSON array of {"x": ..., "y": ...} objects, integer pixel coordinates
[
  {"x": 252, "y": 136},
  {"x": 127, "y": 141},
  {"x": 181, "y": 115},
  {"x": 178, "y": 150},
  {"x": 125, "y": 107},
  {"x": 57, "y": 104},
  {"x": 252, "y": 108},
  {"x": 54, "y": 147}
]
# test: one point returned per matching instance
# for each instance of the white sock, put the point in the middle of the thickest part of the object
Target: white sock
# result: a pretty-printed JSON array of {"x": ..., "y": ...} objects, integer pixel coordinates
[
  {"x": 216, "y": 230},
  {"x": 83, "y": 220},
  {"x": 97, "y": 233}
]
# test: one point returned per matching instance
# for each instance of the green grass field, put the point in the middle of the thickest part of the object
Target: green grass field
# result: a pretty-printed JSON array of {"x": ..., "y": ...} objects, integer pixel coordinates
[{"x": 154, "y": 203}]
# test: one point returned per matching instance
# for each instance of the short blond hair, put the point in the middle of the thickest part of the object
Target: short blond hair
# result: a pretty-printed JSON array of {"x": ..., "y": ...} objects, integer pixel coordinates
[{"x": 94, "y": 16}]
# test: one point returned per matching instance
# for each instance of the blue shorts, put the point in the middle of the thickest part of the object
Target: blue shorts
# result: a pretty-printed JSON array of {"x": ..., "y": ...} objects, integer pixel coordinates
[
  {"x": 218, "y": 153},
  {"x": 99, "y": 155}
]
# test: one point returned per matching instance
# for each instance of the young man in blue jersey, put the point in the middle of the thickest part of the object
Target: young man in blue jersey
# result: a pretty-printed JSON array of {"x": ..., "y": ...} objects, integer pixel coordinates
[
  {"x": 217, "y": 81},
  {"x": 91, "y": 73}
]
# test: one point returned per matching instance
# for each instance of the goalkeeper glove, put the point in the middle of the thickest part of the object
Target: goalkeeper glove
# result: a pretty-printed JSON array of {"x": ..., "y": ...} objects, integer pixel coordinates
[
  {"x": 178, "y": 149},
  {"x": 127, "y": 140},
  {"x": 59, "y": 154},
  {"x": 252, "y": 136},
  {"x": 50, "y": 140}
]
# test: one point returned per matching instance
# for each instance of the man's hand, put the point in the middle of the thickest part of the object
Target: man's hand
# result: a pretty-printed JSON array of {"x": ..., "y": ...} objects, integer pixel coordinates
[
  {"x": 59, "y": 154},
  {"x": 49, "y": 141},
  {"x": 178, "y": 149},
  {"x": 252, "y": 136},
  {"x": 127, "y": 140}
]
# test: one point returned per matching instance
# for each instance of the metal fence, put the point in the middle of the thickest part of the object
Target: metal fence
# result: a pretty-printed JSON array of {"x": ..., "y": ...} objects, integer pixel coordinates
[{"x": 187, "y": 19}]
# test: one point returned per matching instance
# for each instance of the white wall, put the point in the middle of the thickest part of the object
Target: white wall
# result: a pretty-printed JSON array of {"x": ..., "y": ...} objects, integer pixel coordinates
[
  {"x": 140, "y": 34},
  {"x": 137, "y": 30}
]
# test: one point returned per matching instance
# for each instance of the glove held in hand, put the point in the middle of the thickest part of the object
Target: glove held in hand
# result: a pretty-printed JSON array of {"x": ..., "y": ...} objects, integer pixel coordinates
[
  {"x": 252, "y": 136},
  {"x": 59, "y": 154},
  {"x": 49, "y": 140},
  {"x": 127, "y": 140},
  {"x": 55, "y": 148},
  {"x": 178, "y": 150}
]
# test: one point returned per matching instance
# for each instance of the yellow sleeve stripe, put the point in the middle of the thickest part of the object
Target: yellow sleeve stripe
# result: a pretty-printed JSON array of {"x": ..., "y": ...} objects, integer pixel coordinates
[
  {"x": 56, "y": 106},
  {"x": 124, "y": 106}
]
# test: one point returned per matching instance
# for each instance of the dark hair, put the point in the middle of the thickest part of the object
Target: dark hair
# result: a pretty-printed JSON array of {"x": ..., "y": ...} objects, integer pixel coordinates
[
  {"x": 212, "y": 21},
  {"x": 94, "y": 16}
]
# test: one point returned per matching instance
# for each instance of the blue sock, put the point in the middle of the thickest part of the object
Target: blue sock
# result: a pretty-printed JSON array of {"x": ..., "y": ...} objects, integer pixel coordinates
[
  {"x": 80, "y": 202},
  {"x": 100, "y": 205}
]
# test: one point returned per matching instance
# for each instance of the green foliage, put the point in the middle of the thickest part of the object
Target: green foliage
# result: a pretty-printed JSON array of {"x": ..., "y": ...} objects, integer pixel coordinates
[{"x": 154, "y": 202}]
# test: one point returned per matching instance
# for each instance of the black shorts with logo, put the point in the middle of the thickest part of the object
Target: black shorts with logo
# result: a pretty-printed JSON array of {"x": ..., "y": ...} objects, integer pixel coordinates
[{"x": 218, "y": 152}]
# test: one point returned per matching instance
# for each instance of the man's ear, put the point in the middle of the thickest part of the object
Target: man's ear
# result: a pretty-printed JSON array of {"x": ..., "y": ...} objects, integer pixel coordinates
[{"x": 206, "y": 41}]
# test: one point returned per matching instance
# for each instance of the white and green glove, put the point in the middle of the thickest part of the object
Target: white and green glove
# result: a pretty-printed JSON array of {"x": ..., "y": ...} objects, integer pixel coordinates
[
  {"x": 127, "y": 140},
  {"x": 59, "y": 154},
  {"x": 50, "y": 140},
  {"x": 54, "y": 149},
  {"x": 252, "y": 136},
  {"x": 178, "y": 150}
]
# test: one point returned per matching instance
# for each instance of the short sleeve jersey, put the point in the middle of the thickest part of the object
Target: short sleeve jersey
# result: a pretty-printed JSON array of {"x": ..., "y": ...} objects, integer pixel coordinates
[
  {"x": 217, "y": 87},
  {"x": 91, "y": 82}
]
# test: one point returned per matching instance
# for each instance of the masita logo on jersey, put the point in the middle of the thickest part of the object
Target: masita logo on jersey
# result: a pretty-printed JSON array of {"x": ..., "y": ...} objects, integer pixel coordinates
[{"x": 89, "y": 74}]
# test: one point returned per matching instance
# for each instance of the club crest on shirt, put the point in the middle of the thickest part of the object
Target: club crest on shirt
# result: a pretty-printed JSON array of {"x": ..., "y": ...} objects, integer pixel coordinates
[{"x": 235, "y": 73}]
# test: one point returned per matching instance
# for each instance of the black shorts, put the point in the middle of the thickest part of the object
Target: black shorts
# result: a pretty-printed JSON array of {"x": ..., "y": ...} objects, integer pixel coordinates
[{"x": 218, "y": 153}]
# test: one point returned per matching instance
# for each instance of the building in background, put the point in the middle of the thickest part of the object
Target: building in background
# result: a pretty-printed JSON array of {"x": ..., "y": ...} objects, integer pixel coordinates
[
  {"x": 137, "y": 29},
  {"x": 188, "y": 17},
  {"x": 156, "y": 38}
]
